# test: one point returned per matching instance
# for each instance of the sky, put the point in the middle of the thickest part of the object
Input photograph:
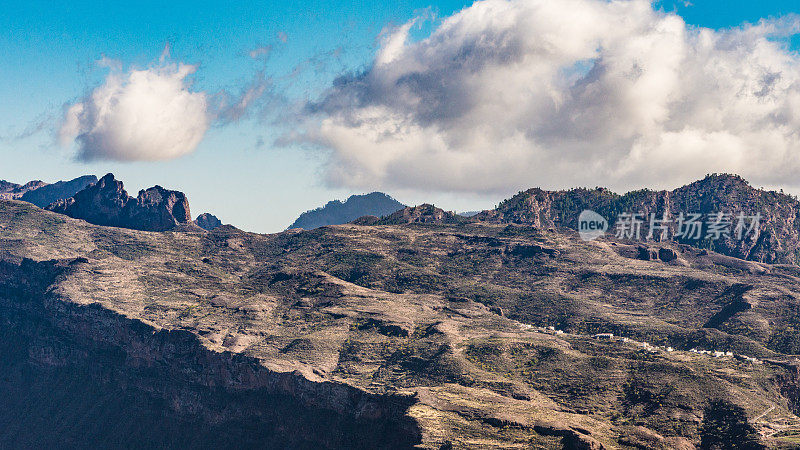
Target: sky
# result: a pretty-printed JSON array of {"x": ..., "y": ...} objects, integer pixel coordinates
[{"x": 259, "y": 111}]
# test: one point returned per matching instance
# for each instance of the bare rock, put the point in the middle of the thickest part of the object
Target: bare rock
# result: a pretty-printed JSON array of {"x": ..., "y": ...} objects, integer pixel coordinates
[
  {"x": 107, "y": 203},
  {"x": 667, "y": 254},
  {"x": 207, "y": 221}
]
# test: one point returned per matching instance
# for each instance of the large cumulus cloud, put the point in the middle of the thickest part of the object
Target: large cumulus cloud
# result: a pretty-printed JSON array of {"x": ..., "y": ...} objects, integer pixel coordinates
[
  {"x": 138, "y": 115},
  {"x": 510, "y": 94}
]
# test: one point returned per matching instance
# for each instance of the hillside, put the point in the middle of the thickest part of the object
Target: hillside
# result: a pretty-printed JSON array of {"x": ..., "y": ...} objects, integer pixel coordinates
[
  {"x": 59, "y": 190},
  {"x": 336, "y": 212},
  {"x": 778, "y": 239},
  {"x": 471, "y": 335}
]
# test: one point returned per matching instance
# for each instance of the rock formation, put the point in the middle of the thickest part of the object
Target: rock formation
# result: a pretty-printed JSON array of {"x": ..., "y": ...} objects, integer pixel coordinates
[
  {"x": 398, "y": 336},
  {"x": 107, "y": 203},
  {"x": 10, "y": 191},
  {"x": 777, "y": 240},
  {"x": 207, "y": 221},
  {"x": 425, "y": 213}
]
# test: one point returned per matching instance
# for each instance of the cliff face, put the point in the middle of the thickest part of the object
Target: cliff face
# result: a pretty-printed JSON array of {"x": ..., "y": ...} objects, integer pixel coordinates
[
  {"x": 107, "y": 203},
  {"x": 114, "y": 381},
  {"x": 777, "y": 240}
]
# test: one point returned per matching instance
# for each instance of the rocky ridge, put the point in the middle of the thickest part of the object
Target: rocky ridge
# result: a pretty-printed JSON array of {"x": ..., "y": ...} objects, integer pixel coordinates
[
  {"x": 777, "y": 240},
  {"x": 107, "y": 203},
  {"x": 42, "y": 194}
]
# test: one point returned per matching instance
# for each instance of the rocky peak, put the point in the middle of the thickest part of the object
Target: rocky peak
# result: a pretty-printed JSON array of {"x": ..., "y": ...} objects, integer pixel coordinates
[
  {"x": 207, "y": 221},
  {"x": 10, "y": 191},
  {"x": 107, "y": 203},
  {"x": 425, "y": 213}
]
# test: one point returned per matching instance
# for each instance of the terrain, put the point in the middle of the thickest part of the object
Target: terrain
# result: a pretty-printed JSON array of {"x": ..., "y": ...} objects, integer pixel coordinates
[
  {"x": 42, "y": 194},
  {"x": 207, "y": 221},
  {"x": 402, "y": 333},
  {"x": 336, "y": 212},
  {"x": 778, "y": 239},
  {"x": 108, "y": 203}
]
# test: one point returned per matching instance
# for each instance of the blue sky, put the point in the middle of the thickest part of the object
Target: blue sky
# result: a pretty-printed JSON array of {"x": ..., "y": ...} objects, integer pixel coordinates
[{"x": 50, "y": 55}]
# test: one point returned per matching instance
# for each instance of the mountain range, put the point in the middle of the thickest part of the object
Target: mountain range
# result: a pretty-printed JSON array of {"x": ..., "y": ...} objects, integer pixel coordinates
[
  {"x": 42, "y": 194},
  {"x": 427, "y": 330},
  {"x": 777, "y": 239}
]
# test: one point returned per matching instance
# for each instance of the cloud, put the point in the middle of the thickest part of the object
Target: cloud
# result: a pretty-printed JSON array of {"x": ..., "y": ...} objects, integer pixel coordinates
[
  {"x": 139, "y": 115},
  {"x": 261, "y": 52},
  {"x": 256, "y": 94},
  {"x": 511, "y": 94}
]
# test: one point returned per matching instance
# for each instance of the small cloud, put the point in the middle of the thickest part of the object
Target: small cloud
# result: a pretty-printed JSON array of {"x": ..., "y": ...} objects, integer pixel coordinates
[
  {"x": 233, "y": 107},
  {"x": 283, "y": 37},
  {"x": 139, "y": 115},
  {"x": 261, "y": 52},
  {"x": 42, "y": 123}
]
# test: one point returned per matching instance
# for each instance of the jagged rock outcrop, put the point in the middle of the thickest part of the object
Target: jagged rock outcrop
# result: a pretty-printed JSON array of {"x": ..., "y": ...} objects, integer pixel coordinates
[
  {"x": 207, "y": 221},
  {"x": 10, "y": 191},
  {"x": 107, "y": 203},
  {"x": 778, "y": 239},
  {"x": 425, "y": 213},
  {"x": 337, "y": 213}
]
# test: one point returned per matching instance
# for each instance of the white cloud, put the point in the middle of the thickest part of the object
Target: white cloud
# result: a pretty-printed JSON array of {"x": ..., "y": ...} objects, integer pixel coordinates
[
  {"x": 138, "y": 115},
  {"x": 261, "y": 52},
  {"x": 511, "y": 94}
]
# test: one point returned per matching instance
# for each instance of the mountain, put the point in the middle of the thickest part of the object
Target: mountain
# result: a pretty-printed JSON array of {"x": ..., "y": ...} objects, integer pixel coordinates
[
  {"x": 468, "y": 213},
  {"x": 777, "y": 240},
  {"x": 107, "y": 203},
  {"x": 42, "y": 194},
  {"x": 337, "y": 213},
  {"x": 425, "y": 213},
  {"x": 475, "y": 335},
  {"x": 59, "y": 190},
  {"x": 207, "y": 221},
  {"x": 10, "y": 190}
]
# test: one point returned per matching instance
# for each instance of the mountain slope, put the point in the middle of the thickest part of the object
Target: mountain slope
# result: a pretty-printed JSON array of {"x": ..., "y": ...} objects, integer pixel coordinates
[
  {"x": 778, "y": 239},
  {"x": 10, "y": 190},
  {"x": 50, "y": 193},
  {"x": 336, "y": 212},
  {"x": 385, "y": 336},
  {"x": 42, "y": 194}
]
